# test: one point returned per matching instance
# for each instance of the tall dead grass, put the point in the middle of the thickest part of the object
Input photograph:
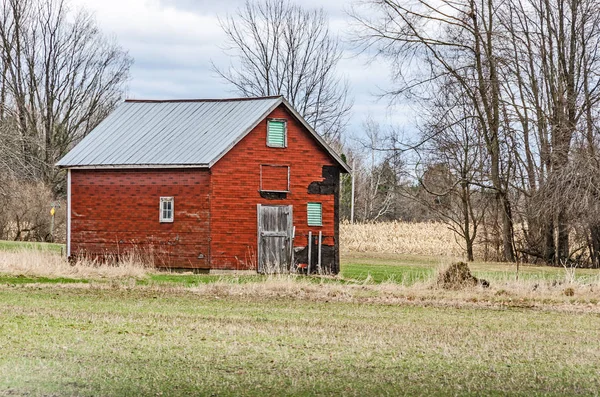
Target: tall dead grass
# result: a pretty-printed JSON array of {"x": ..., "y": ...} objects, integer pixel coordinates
[
  {"x": 424, "y": 238},
  {"x": 568, "y": 293},
  {"x": 49, "y": 264}
]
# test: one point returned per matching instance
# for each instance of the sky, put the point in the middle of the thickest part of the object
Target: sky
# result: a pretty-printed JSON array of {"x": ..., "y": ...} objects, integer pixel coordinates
[{"x": 173, "y": 43}]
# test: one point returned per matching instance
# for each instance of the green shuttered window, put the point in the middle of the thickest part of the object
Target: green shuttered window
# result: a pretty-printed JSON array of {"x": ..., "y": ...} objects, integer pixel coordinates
[
  {"x": 276, "y": 130},
  {"x": 315, "y": 214}
]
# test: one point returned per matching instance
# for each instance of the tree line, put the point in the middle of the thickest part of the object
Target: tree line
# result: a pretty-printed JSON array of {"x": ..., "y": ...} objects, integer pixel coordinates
[{"x": 508, "y": 135}]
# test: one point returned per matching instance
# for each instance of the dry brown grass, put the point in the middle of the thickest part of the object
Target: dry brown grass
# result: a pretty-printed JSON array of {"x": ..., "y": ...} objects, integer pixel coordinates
[
  {"x": 429, "y": 238},
  {"x": 574, "y": 297},
  {"x": 566, "y": 293},
  {"x": 49, "y": 264},
  {"x": 548, "y": 296}
]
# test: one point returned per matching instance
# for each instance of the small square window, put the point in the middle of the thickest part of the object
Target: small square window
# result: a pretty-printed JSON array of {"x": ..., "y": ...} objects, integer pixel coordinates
[
  {"x": 314, "y": 213},
  {"x": 276, "y": 133},
  {"x": 167, "y": 209}
]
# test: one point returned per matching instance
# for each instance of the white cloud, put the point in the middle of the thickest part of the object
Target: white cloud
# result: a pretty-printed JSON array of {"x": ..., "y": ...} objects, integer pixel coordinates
[{"x": 174, "y": 41}]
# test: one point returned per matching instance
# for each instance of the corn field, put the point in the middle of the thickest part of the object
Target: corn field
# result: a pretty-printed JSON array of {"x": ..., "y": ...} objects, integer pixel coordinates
[{"x": 419, "y": 238}]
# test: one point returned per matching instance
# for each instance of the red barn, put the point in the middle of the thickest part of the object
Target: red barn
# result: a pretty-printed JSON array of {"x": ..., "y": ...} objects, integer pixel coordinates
[{"x": 235, "y": 184}]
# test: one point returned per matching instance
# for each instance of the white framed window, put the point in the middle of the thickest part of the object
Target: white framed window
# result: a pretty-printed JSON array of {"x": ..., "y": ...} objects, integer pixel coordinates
[
  {"x": 277, "y": 133},
  {"x": 167, "y": 209}
]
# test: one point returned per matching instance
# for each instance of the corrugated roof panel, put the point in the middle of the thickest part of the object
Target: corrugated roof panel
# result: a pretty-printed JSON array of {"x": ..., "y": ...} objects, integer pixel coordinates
[
  {"x": 168, "y": 132},
  {"x": 175, "y": 133},
  {"x": 169, "y": 121}
]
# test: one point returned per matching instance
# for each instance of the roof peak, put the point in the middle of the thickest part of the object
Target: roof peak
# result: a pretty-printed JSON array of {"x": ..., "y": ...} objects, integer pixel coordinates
[{"x": 202, "y": 100}]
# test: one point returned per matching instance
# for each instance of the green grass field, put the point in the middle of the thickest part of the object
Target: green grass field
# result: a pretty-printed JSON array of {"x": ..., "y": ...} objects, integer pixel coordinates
[
  {"x": 407, "y": 269},
  {"x": 20, "y": 245},
  {"x": 192, "y": 334},
  {"x": 69, "y": 341}
]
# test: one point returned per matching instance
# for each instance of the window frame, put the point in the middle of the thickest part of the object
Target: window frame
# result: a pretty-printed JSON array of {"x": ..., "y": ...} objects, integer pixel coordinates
[
  {"x": 163, "y": 200},
  {"x": 260, "y": 187},
  {"x": 285, "y": 133},
  {"x": 308, "y": 217}
]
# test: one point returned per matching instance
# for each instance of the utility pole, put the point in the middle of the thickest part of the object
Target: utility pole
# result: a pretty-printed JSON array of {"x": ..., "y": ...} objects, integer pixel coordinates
[{"x": 352, "y": 196}]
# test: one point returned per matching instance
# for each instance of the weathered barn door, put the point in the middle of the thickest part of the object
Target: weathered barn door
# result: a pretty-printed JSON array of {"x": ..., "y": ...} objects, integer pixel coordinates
[{"x": 274, "y": 238}]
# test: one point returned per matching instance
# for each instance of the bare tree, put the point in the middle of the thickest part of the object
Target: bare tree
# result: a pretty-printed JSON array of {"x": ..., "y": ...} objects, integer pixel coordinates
[
  {"x": 527, "y": 71},
  {"x": 551, "y": 89},
  {"x": 429, "y": 41},
  {"x": 282, "y": 49},
  {"x": 454, "y": 172},
  {"x": 60, "y": 78}
]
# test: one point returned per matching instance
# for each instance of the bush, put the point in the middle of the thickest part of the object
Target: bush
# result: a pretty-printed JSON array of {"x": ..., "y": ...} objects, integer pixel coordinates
[{"x": 25, "y": 212}]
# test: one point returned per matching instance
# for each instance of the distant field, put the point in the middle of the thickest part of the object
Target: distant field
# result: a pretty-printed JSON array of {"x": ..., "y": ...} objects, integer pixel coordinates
[{"x": 407, "y": 238}]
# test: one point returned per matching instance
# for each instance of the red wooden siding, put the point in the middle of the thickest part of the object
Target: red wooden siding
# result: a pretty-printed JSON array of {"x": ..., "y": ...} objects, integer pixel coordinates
[
  {"x": 235, "y": 185},
  {"x": 113, "y": 211},
  {"x": 274, "y": 178},
  {"x": 215, "y": 210}
]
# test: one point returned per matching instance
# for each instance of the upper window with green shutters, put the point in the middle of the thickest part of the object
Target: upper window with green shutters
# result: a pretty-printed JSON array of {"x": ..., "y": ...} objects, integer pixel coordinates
[{"x": 276, "y": 133}]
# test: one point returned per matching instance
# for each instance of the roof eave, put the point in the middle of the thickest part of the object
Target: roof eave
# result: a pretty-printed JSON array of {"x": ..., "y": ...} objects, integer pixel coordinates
[{"x": 131, "y": 166}]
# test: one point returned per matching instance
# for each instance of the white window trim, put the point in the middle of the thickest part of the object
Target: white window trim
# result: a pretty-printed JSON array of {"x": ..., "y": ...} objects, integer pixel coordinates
[
  {"x": 160, "y": 209},
  {"x": 285, "y": 133},
  {"x": 279, "y": 166}
]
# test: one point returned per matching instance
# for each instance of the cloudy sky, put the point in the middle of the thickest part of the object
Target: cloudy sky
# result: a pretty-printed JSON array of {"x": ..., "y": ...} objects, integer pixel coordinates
[{"x": 174, "y": 41}]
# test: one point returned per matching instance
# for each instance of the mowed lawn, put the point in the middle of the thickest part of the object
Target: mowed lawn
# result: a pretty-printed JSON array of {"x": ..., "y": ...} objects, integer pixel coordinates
[{"x": 95, "y": 341}]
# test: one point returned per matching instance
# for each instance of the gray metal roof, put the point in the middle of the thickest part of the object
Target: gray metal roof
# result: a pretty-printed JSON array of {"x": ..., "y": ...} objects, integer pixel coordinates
[{"x": 174, "y": 133}]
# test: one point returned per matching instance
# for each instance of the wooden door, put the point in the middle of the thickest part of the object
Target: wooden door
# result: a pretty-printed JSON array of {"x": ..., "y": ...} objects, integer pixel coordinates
[{"x": 274, "y": 238}]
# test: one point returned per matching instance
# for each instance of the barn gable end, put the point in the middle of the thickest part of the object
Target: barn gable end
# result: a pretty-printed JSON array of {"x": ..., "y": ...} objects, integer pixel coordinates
[{"x": 235, "y": 193}]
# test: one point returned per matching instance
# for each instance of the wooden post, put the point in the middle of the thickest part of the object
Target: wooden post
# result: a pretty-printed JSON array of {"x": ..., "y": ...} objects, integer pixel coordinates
[
  {"x": 319, "y": 258},
  {"x": 309, "y": 252},
  {"x": 292, "y": 249}
]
